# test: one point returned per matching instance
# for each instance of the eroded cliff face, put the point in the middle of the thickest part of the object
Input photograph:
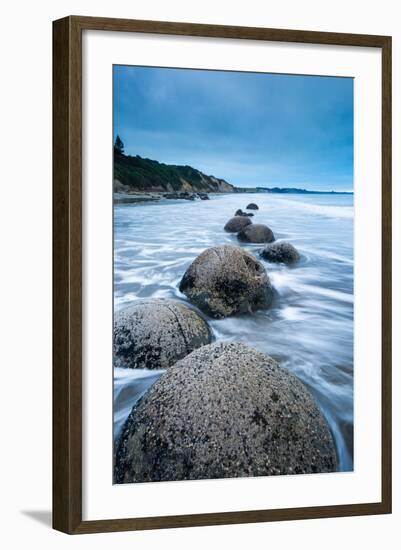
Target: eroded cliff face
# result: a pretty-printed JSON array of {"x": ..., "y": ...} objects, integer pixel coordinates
[{"x": 136, "y": 174}]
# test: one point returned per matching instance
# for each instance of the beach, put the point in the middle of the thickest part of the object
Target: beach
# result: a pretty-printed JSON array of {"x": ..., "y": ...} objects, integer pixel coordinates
[{"x": 309, "y": 327}]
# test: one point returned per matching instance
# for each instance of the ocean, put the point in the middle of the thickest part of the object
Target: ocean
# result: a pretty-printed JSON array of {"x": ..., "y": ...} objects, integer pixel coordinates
[{"x": 309, "y": 328}]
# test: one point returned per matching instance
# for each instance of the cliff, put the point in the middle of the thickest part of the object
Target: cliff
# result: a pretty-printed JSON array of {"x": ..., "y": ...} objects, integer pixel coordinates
[{"x": 133, "y": 174}]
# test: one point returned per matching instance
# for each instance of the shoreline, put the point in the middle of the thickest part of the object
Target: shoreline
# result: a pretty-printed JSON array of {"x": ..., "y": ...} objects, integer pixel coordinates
[
  {"x": 155, "y": 196},
  {"x": 290, "y": 284}
]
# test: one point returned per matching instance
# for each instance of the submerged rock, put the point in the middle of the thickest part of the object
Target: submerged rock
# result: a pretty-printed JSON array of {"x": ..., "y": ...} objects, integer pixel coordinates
[
  {"x": 252, "y": 206},
  {"x": 204, "y": 196},
  {"x": 256, "y": 233},
  {"x": 155, "y": 333},
  {"x": 225, "y": 410},
  {"x": 281, "y": 253},
  {"x": 225, "y": 280},
  {"x": 187, "y": 196},
  {"x": 237, "y": 223}
]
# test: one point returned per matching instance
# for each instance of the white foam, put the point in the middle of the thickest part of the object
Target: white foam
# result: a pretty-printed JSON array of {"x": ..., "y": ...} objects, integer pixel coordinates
[{"x": 318, "y": 209}]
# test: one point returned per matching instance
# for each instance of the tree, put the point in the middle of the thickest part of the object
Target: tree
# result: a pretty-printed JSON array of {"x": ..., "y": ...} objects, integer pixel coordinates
[{"x": 119, "y": 146}]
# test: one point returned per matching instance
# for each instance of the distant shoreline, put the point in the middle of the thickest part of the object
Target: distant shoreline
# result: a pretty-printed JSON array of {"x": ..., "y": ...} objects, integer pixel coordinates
[
  {"x": 137, "y": 175},
  {"x": 288, "y": 191},
  {"x": 155, "y": 196}
]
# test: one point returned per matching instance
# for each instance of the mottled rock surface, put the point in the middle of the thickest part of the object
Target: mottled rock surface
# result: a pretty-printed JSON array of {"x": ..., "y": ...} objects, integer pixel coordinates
[
  {"x": 237, "y": 223},
  {"x": 156, "y": 333},
  {"x": 280, "y": 253},
  {"x": 252, "y": 206},
  {"x": 256, "y": 233},
  {"x": 226, "y": 410},
  {"x": 225, "y": 280}
]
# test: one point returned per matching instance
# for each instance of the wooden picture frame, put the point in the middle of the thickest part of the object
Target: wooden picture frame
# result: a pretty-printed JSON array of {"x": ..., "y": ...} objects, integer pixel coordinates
[{"x": 67, "y": 273}]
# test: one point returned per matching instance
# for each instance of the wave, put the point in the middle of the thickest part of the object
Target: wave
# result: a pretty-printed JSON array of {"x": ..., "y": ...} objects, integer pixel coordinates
[
  {"x": 129, "y": 386},
  {"x": 343, "y": 212},
  {"x": 309, "y": 328}
]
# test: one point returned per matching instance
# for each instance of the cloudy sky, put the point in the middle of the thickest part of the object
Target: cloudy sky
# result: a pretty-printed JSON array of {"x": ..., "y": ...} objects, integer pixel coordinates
[{"x": 251, "y": 129}]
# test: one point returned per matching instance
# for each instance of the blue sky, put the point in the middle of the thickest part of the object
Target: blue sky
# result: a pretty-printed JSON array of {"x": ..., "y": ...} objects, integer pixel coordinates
[{"x": 252, "y": 129}]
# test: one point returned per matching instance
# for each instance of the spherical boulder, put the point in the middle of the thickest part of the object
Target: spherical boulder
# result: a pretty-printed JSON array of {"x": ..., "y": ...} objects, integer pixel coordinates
[
  {"x": 252, "y": 206},
  {"x": 240, "y": 212},
  {"x": 225, "y": 410},
  {"x": 237, "y": 223},
  {"x": 225, "y": 280},
  {"x": 256, "y": 233},
  {"x": 282, "y": 252},
  {"x": 155, "y": 333}
]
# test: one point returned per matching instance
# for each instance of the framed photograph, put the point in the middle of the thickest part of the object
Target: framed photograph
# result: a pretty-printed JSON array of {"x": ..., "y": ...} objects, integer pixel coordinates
[{"x": 222, "y": 274}]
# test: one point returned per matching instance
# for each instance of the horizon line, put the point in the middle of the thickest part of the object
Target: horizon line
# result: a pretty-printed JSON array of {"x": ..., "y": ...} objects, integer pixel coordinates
[
  {"x": 251, "y": 186},
  {"x": 301, "y": 188}
]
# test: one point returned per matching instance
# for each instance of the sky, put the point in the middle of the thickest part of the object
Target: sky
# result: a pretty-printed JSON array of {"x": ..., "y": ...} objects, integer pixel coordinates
[{"x": 251, "y": 129}]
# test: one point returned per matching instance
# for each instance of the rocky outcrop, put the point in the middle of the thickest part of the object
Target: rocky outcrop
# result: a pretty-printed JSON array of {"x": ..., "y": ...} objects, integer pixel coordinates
[
  {"x": 282, "y": 252},
  {"x": 155, "y": 333},
  {"x": 225, "y": 410},
  {"x": 256, "y": 233},
  {"x": 132, "y": 198},
  {"x": 237, "y": 223},
  {"x": 183, "y": 195},
  {"x": 252, "y": 206},
  {"x": 225, "y": 280}
]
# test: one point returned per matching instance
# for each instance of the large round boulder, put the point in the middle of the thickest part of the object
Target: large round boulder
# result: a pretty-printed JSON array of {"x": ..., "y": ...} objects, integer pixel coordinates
[
  {"x": 252, "y": 206},
  {"x": 256, "y": 233},
  {"x": 225, "y": 280},
  {"x": 225, "y": 410},
  {"x": 282, "y": 252},
  {"x": 155, "y": 333},
  {"x": 240, "y": 212},
  {"x": 237, "y": 223}
]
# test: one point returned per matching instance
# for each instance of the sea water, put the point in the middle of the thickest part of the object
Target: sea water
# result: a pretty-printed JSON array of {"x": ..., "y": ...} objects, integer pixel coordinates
[{"x": 309, "y": 329}]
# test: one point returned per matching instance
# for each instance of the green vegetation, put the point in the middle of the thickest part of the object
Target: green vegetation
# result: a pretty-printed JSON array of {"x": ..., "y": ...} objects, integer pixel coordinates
[
  {"x": 140, "y": 174},
  {"x": 137, "y": 174},
  {"x": 118, "y": 146}
]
